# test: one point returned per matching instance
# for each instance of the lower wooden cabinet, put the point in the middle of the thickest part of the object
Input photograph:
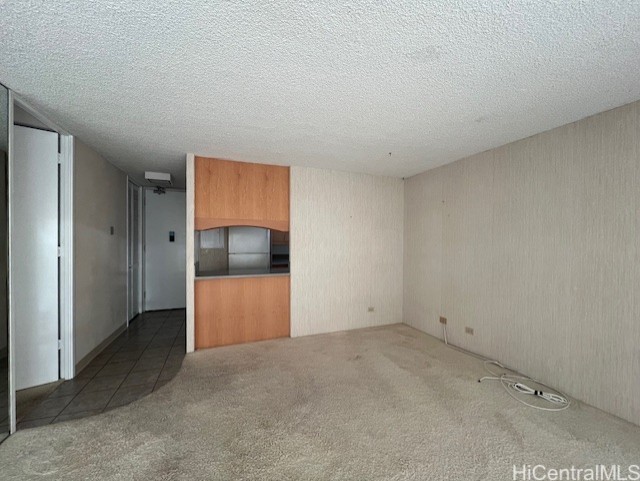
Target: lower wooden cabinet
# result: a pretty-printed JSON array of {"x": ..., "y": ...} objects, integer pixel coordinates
[{"x": 235, "y": 310}]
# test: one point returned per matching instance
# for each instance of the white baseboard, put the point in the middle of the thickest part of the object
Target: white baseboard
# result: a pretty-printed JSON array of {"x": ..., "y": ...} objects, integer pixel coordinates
[{"x": 84, "y": 362}]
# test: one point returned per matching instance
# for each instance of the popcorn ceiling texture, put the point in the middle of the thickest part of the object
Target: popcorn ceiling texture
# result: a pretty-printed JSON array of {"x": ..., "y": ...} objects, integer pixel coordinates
[{"x": 332, "y": 84}]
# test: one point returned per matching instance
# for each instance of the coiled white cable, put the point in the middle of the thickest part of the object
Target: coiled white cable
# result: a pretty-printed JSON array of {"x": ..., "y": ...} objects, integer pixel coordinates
[{"x": 514, "y": 382}]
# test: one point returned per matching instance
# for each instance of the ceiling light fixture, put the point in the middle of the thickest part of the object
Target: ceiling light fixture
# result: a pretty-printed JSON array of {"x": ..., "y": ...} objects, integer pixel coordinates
[{"x": 159, "y": 179}]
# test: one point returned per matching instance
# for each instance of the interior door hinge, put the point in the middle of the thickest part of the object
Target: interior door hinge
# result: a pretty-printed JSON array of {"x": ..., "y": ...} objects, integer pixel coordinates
[
  {"x": 59, "y": 158},
  {"x": 59, "y": 344},
  {"x": 59, "y": 251}
]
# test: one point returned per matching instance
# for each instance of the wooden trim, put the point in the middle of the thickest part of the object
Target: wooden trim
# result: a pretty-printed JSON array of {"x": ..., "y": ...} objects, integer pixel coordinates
[
  {"x": 203, "y": 223},
  {"x": 238, "y": 310}
]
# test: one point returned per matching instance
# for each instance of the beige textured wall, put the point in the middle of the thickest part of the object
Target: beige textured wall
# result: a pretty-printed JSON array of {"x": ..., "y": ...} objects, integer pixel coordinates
[
  {"x": 536, "y": 245},
  {"x": 346, "y": 250},
  {"x": 100, "y": 259}
]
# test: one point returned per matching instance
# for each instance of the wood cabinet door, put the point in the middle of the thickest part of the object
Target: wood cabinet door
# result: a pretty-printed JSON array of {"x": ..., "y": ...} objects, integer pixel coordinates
[
  {"x": 239, "y": 193},
  {"x": 237, "y": 310}
]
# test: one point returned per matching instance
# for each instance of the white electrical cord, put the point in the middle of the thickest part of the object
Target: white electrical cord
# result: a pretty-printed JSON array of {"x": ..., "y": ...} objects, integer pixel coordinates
[{"x": 514, "y": 382}]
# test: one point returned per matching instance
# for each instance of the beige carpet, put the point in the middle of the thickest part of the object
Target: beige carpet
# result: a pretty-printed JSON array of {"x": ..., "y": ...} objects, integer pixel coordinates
[{"x": 382, "y": 403}]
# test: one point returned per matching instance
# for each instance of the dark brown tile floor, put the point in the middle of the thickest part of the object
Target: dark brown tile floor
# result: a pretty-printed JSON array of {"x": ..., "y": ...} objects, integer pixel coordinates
[{"x": 139, "y": 361}]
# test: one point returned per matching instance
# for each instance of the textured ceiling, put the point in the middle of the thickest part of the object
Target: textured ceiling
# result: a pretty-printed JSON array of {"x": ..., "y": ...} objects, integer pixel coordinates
[{"x": 385, "y": 87}]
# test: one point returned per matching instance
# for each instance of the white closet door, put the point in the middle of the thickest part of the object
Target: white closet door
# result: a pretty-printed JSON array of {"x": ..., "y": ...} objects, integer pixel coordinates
[{"x": 34, "y": 256}]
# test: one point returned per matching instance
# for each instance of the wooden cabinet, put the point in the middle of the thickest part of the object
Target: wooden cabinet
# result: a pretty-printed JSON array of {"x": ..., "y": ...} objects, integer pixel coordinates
[
  {"x": 242, "y": 309},
  {"x": 238, "y": 193},
  {"x": 233, "y": 310}
]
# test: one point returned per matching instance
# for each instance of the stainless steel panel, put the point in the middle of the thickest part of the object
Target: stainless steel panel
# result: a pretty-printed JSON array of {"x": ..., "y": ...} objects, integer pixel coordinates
[
  {"x": 248, "y": 261},
  {"x": 248, "y": 240}
]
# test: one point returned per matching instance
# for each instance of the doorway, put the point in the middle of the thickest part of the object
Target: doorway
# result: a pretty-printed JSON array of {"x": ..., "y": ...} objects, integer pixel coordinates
[
  {"x": 134, "y": 250},
  {"x": 164, "y": 249},
  {"x": 40, "y": 198},
  {"x": 34, "y": 251},
  {"x": 5, "y": 398}
]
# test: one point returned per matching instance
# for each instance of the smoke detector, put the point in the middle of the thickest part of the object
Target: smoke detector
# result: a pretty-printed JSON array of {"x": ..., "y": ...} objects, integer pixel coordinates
[{"x": 159, "y": 179}]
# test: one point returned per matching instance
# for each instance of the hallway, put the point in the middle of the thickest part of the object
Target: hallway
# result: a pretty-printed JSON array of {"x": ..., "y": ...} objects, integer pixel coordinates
[{"x": 142, "y": 359}]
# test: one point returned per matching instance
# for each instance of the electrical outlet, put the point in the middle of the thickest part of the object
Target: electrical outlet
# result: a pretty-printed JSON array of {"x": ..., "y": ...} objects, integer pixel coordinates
[
  {"x": 443, "y": 320},
  {"x": 469, "y": 330},
  {"x": 371, "y": 309}
]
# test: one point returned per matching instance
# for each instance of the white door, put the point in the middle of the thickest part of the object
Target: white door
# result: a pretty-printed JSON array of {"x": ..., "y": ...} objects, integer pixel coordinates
[
  {"x": 165, "y": 259},
  {"x": 34, "y": 256},
  {"x": 134, "y": 250}
]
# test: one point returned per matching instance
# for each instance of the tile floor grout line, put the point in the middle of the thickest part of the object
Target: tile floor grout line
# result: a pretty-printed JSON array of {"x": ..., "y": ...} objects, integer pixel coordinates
[
  {"x": 156, "y": 327},
  {"x": 119, "y": 385},
  {"x": 162, "y": 368},
  {"x": 134, "y": 365}
]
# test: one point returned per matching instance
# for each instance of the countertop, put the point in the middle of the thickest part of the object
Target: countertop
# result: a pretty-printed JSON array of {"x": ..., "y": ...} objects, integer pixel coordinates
[{"x": 274, "y": 271}]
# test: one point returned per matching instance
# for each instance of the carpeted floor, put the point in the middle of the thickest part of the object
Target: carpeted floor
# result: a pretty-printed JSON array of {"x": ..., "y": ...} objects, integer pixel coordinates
[{"x": 381, "y": 403}]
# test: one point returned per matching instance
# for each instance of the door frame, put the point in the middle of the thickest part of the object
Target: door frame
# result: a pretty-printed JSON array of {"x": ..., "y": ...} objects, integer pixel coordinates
[
  {"x": 65, "y": 298},
  {"x": 131, "y": 182}
]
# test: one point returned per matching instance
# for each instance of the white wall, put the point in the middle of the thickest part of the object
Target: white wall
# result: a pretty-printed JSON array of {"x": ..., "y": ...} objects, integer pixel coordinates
[
  {"x": 536, "y": 246},
  {"x": 100, "y": 259},
  {"x": 165, "y": 262},
  {"x": 25, "y": 119},
  {"x": 346, "y": 250}
]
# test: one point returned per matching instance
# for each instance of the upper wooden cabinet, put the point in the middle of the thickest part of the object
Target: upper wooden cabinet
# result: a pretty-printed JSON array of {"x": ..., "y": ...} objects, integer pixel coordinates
[{"x": 239, "y": 193}]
